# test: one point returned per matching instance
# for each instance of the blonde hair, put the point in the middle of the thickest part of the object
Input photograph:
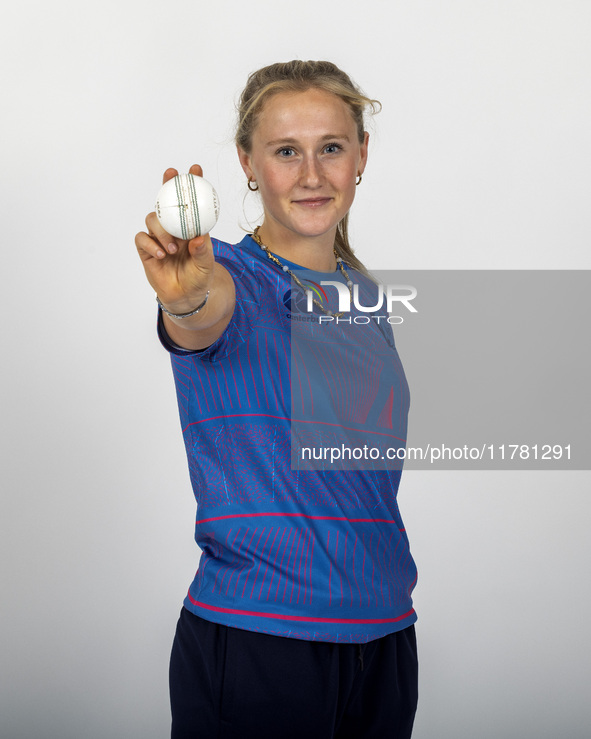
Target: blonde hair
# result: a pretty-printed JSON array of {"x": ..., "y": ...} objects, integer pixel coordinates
[{"x": 298, "y": 76}]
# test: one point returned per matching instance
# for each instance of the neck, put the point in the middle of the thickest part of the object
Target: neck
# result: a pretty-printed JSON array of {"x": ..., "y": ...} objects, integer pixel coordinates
[{"x": 315, "y": 252}]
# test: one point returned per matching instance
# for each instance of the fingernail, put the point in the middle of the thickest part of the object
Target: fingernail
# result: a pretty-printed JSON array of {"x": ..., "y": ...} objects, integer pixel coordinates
[
  {"x": 172, "y": 248},
  {"x": 160, "y": 253}
]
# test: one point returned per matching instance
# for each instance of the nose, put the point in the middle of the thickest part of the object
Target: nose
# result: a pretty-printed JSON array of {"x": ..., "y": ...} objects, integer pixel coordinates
[{"x": 311, "y": 172}]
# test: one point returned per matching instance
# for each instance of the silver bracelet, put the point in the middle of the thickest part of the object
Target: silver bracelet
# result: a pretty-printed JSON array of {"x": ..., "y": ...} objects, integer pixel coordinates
[{"x": 183, "y": 315}]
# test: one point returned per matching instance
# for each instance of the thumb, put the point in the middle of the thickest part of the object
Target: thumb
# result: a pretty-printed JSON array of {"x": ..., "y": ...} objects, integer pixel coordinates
[{"x": 201, "y": 251}]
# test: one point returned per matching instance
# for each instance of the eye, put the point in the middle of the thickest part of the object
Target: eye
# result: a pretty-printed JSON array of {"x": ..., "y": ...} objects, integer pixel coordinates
[
  {"x": 285, "y": 152},
  {"x": 332, "y": 148}
]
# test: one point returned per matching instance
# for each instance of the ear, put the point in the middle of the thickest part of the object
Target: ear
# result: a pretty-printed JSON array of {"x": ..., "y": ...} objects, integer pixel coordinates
[
  {"x": 244, "y": 159},
  {"x": 363, "y": 153}
]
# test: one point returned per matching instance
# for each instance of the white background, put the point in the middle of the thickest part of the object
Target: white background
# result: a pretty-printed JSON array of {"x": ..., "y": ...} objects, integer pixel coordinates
[{"x": 480, "y": 159}]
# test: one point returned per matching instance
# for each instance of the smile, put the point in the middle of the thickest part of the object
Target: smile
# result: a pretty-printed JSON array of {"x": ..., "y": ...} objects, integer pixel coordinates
[{"x": 313, "y": 202}]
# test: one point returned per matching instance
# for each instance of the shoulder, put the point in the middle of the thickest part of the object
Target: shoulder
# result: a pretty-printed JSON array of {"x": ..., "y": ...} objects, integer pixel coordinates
[
  {"x": 245, "y": 252},
  {"x": 250, "y": 268}
]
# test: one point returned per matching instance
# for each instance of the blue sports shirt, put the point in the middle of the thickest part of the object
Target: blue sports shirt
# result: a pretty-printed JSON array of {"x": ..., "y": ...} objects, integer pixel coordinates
[{"x": 310, "y": 550}]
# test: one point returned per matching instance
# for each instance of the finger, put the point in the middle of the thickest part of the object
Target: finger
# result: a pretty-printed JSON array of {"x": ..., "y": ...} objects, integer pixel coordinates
[
  {"x": 201, "y": 251},
  {"x": 196, "y": 170},
  {"x": 198, "y": 244},
  {"x": 157, "y": 232},
  {"x": 169, "y": 174},
  {"x": 147, "y": 247}
]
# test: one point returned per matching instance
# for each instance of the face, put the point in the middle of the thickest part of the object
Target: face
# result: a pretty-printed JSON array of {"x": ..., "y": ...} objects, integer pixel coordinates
[{"x": 305, "y": 158}]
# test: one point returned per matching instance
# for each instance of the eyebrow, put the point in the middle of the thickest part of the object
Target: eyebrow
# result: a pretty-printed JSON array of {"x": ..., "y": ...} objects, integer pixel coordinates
[{"x": 327, "y": 137}]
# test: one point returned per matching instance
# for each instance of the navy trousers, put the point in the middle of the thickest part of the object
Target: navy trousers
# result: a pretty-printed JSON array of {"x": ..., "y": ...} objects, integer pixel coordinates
[{"x": 228, "y": 683}]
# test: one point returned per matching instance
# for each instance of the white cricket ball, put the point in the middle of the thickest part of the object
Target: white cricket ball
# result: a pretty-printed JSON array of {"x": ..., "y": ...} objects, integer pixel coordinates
[{"x": 187, "y": 206}]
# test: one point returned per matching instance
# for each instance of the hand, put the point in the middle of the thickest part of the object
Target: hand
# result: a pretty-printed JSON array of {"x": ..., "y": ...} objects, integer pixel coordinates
[{"x": 181, "y": 272}]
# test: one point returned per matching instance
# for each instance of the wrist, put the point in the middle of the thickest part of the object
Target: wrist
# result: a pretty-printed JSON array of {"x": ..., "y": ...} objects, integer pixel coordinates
[{"x": 183, "y": 310}]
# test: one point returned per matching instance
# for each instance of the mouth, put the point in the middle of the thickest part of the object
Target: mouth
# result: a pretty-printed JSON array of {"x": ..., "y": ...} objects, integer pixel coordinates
[{"x": 312, "y": 202}]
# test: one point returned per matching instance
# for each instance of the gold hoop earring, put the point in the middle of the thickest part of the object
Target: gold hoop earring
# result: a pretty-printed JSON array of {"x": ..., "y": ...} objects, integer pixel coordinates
[
  {"x": 252, "y": 189},
  {"x": 358, "y": 180}
]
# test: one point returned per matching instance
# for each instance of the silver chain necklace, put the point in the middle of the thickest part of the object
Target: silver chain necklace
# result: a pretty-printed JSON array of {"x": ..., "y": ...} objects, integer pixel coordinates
[{"x": 294, "y": 277}]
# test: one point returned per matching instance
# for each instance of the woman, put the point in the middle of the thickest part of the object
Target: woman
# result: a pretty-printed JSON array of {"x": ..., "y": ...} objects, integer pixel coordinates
[{"x": 299, "y": 621}]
